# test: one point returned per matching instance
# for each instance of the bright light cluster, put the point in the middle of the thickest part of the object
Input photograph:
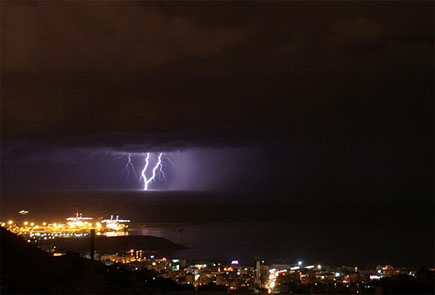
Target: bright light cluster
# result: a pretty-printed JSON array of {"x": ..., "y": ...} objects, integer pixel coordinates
[
  {"x": 76, "y": 226},
  {"x": 115, "y": 224}
]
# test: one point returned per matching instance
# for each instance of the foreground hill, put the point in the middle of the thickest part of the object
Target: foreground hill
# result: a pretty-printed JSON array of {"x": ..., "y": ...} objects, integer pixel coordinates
[
  {"x": 114, "y": 244},
  {"x": 25, "y": 269}
]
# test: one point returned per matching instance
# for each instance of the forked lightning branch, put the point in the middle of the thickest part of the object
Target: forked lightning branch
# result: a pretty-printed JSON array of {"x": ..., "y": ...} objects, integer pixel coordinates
[{"x": 152, "y": 169}]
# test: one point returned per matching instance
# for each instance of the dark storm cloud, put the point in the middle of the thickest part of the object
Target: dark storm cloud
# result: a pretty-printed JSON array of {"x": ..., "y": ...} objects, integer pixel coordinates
[
  {"x": 141, "y": 142},
  {"x": 349, "y": 84},
  {"x": 116, "y": 36},
  {"x": 93, "y": 70},
  {"x": 70, "y": 55}
]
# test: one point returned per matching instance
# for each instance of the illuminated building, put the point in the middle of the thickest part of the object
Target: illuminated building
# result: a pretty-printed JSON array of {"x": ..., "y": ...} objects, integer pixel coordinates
[{"x": 115, "y": 224}]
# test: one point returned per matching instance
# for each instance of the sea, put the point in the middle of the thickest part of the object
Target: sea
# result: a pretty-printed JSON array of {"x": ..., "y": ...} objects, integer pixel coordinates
[{"x": 277, "y": 228}]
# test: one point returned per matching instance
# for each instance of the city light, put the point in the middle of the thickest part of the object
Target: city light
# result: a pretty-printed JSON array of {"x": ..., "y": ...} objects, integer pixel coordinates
[
  {"x": 115, "y": 223},
  {"x": 273, "y": 278},
  {"x": 77, "y": 226}
]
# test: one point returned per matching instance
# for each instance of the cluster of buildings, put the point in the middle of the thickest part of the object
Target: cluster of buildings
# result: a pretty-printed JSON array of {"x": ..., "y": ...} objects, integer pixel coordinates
[
  {"x": 274, "y": 278},
  {"x": 232, "y": 276}
]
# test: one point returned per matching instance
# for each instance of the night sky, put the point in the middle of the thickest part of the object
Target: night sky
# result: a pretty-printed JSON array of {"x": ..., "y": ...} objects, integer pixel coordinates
[{"x": 302, "y": 102}]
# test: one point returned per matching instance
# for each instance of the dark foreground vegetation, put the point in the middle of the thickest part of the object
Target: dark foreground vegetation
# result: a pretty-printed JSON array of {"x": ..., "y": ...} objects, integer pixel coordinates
[
  {"x": 113, "y": 244},
  {"x": 26, "y": 269}
]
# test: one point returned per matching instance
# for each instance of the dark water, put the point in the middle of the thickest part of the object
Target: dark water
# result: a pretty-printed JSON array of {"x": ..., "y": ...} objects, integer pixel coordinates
[{"x": 279, "y": 229}]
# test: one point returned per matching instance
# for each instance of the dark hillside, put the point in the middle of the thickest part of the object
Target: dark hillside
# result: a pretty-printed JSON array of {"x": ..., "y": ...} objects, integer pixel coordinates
[{"x": 26, "y": 269}]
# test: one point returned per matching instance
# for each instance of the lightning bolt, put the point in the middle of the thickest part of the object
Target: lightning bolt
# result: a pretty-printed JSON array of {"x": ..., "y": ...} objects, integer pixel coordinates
[
  {"x": 118, "y": 157},
  {"x": 162, "y": 173},
  {"x": 158, "y": 167},
  {"x": 129, "y": 166},
  {"x": 143, "y": 175}
]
